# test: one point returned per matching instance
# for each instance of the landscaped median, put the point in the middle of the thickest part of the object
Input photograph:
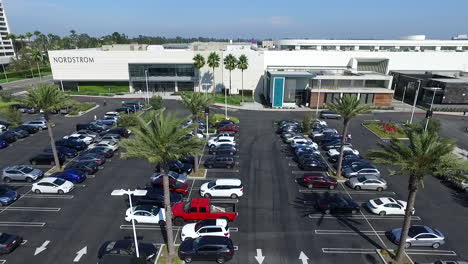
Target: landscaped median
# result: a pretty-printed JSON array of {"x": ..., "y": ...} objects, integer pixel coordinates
[
  {"x": 78, "y": 109},
  {"x": 385, "y": 129},
  {"x": 388, "y": 257},
  {"x": 162, "y": 257}
]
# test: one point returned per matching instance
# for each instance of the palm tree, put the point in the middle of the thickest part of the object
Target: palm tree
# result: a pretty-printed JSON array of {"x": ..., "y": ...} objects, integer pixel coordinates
[
  {"x": 242, "y": 65},
  {"x": 348, "y": 107},
  {"x": 73, "y": 37},
  {"x": 424, "y": 154},
  {"x": 13, "y": 43},
  {"x": 36, "y": 55},
  {"x": 230, "y": 63},
  {"x": 199, "y": 62},
  {"x": 213, "y": 62},
  {"x": 195, "y": 103},
  {"x": 36, "y": 34},
  {"x": 161, "y": 141},
  {"x": 28, "y": 36},
  {"x": 47, "y": 97}
]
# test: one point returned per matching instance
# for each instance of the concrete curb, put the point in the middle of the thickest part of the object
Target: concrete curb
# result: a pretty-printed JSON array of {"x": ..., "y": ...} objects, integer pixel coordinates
[
  {"x": 198, "y": 178},
  {"x": 380, "y": 256},
  {"x": 83, "y": 113}
]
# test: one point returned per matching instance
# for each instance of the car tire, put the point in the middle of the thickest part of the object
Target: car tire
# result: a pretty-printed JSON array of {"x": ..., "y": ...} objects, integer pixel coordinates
[
  {"x": 436, "y": 245},
  {"x": 60, "y": 192},
  {"x": 37, "y": 191},
  {"x": 29, "y": 180},
  {"x": 188, "y": 259},
  {"x": 407, "y": 244},
  {"x": 357, "y": 188},
  {"x": 179, "y": 221},
  {"x": 207, "y": 195},
  {"x": 331, "y": 187},
  {"x": 6, "y": 179},
  {"x": 310, "y": 186},
  {"x": 220, "y": 260},
  {"x": 379, "y": 189},
  {"x": 327, "y": 211},
  {"x": 382, "y": 213},
  {"x": 234, "y": 196}
]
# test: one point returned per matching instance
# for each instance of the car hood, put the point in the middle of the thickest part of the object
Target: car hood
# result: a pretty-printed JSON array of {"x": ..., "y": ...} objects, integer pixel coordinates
[
  {"x": 348, "y": 171},
  {"x": 10, "y": 194},
  {"x": 186, "y": 245},
  {"x": 189, "y": 230},
  {"x": 36, "y": 172},
  {"x": 396, "y": 233},
  {"x": 353, "y": 180},
  {"x": 204, "y": 187}
]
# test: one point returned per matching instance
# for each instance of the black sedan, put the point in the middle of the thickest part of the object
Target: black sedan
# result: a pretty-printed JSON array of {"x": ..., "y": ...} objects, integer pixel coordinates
[
  {"x": 67, "y": 152},
  {"x": 74, "y": 144},
  {"x": 90, "y": 167},
  {"x": 214, "y": 248},
  {"x": 8, "y": 137},
  {"x": 107, "y": 152},
  {"x": 155, "y": 196},
  {"x": 96, "y": 157},
  {"x": 123, "y": 251},
  {"x": 313, "y": 164},
  {"x": 220, "y": 161},
  {"x": 46, "y": 159},
  {"x": 9, "y": 242},
  {"x": 29, "y": 129},
  {"x": 329, "y": 114},
  {"x": 223, "y": 149},
  {"x": 337, "y": 204},
  {"x": 180, "y": 167},
  {"x": 347, "y": 156}
]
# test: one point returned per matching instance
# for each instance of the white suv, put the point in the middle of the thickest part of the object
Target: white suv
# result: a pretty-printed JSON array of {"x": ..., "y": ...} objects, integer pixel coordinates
[
  {"x": 222, "y": 188},
  {"x": 207, "y": 227},
  {"x": 214, "y": 142}
]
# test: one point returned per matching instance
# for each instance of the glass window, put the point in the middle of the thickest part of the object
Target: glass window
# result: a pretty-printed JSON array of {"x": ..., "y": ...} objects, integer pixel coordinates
[
  {"x": 367, "y": 98},
  {"x": 331, "y": 97}
]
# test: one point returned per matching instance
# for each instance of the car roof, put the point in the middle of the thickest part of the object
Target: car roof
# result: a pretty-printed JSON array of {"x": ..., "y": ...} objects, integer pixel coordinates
[
  {"x": 315, "y": 174},
  {"x": 235, "y": 182},
  {"x": 47, "y": 179},
  {"x": 214, "y": 222},
  {"x": 214, "y": 240}
]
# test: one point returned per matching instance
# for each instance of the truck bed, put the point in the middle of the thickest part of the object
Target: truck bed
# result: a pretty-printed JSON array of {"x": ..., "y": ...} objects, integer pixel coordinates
[{"x": 223, "y": 207}]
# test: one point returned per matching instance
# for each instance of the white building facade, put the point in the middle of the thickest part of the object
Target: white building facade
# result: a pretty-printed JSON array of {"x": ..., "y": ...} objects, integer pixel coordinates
[
  {"x": 6, "y": 45},
  {"x": 360, "y": 70}
]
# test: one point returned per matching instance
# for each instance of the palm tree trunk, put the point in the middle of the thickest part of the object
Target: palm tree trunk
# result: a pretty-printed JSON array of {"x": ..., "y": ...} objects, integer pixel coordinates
[
  {"x": 343, "y": 139},
  {"x": 413, "y": 189},
  {"x": 52, "y": 144},
  {"x": 39, "y": 70},
  {"x": 242, "y": 92},
  {"x": 167, "y": 206},
  {"x": 214, "y": 83},
  {"x": 195, "y": 134}
]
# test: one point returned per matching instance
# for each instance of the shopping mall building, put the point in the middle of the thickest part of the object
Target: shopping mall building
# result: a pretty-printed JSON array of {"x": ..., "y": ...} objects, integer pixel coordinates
[{"x": 289, "y": 73}]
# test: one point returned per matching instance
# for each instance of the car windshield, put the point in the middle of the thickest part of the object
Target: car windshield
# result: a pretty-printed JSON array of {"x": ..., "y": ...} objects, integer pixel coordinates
[
  {"x": 378, "y": 201},
  {"x": 155, "y": 210},
  {"x": 211, "y": 184},
  {"x": 361, "y": 179},
  {"x": 27, "y": 169},
  {"x": 198, "y": 226},
  {"x": 59, "y": 181},
  {"x": 186, "y": 206}
]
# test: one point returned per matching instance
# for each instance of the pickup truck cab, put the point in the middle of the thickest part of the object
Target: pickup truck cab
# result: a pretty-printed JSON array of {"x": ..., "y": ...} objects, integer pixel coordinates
[{"x": 202, "y": 208}]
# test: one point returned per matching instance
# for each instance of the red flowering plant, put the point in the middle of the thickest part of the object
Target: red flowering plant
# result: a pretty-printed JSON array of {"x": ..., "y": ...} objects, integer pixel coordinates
[{"x": 389, "y": 127}]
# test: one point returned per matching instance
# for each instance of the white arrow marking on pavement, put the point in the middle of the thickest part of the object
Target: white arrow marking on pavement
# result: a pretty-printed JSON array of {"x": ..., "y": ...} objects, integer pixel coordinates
[
  {"x": 41, "y": 248},
  {"x": 303, "y": 257},
  {"x": 259, "y": 256},
  {"x": 80, "y": 253}
]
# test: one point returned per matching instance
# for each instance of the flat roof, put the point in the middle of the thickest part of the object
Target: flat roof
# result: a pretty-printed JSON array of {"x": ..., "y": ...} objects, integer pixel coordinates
[{"x": 304, "y": 74}]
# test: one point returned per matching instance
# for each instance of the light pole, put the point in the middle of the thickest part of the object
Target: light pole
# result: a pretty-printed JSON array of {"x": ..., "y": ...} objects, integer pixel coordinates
[
  {"x": 432, "y": 102},
  {"x": 225, "y": 102},
  {"x": 4, "y": 72},
  {"x": 415, "y": 100},
  {"x": 318, "y": 97},
  {"x": 404, "y": 92},
  {"x": 128, "y": 192},
  {"x": 147, "y": 89}
]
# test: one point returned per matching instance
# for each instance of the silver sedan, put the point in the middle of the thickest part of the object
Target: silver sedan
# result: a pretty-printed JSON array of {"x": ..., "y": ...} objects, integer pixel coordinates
[{"x": 367, "y": 182}]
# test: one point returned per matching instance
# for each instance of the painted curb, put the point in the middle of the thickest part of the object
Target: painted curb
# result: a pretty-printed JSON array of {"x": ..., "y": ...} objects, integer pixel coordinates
[
  {"x": 380, "y": 256},
  {"x": 198, "y": 178},
  {"x": 83, "y": 113}
]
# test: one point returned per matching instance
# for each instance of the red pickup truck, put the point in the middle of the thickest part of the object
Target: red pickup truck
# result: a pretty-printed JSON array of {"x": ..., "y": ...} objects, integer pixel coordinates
[{"x": 202, "y": 208}]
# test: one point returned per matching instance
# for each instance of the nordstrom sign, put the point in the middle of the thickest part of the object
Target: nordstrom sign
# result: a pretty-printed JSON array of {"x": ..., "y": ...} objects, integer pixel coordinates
[{"x": 73, "y": 60}]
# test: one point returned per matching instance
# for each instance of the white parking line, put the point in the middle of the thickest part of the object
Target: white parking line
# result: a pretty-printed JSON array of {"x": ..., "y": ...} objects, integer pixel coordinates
[
  {"x": 3, "y": 210},
  {"x": 47, "y": 196},
  {"x": 190, "y": 193},
  {"x": 30, "y": 184},
  {"x": 24, "y": 242},
  {"x": 146, "y": 227},
  {"x": 349, "y": 232},
  {"x": 358, "y": 217},
  {"x": 298, "y": 172},
  {"x": 33, "y": 209},
  {"x": 431, "y": 252},
  {"x": 23, "y": 224},
  {"x": 233, "y": 229},
  {"x": 351, "y": 191},
  {"x": 348, "y": 251},
  {"x": 225, "y": 200},
  {"x": 222, "y": 170},
  {"x": 2, "y": 261}
]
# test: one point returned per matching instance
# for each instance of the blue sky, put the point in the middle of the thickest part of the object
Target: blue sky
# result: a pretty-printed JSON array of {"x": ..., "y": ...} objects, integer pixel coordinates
[{"x": 243, "y": 18}]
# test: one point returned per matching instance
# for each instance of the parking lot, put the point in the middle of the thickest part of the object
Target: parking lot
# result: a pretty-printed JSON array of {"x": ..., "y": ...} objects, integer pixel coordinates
[{"x": 275, "y": 219}]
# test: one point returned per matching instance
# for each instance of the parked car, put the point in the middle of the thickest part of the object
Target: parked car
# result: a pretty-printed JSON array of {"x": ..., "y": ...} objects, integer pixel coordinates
[
  {"x": 111, "y": 137},
  {"x": 146, "y": 214},
  {"x": 222, "y": 188},
  {"x": 73, "y": 144},
  {"x": 46, "y": 159},
  {"x": 419, "y": 235},
  {"x": 387, "y": 206},
  {"x": 7, "y": 195},
  {"x": 322, "y": 132},
  {"x": 2, "y": 128},
  {"x": 21, "y": 173},
  {"x": 214, "y": 248},
  {"x": 87, "y": 133},
  {"x": 179, "y": 167},
  {"x": 174, "y": 185},
  {"x": 8, "y": 137},
  {"x": 207, "y": 227},
  {"x": 312, "y": 165},
  {"x": 336, "y": 152},
  {"x": 224, "y": 123},
  {"x": 335, "y": 145},
  {"x": 303, "y": 143},
  {"x": 96, "y": 157},
  {"x": 123, "y": 132},
  {"x": 29, "y": 129},
  {"x": 347, "y": 156},
  {"x": 107, "y": 152},
  {"x": 214, "y": 142},
  {"x": 9, "y": 242},
  {"x": 220, "y": 161},
  {"x": 40, "y": 124},
  {"x": 361, "y": 170},
  {"x": 112, "y": 114},
  {"x": 228, "y": 128},
  {"x": 123, "y": 251},
  {"x": 52, "y": 185},
  {"x": 89, "y": 126},
  {"x": 224, "y": 134},
  {"x": 203, "y": 208},
  {"x": 337, "y": 204},
  {"x": 3, "y": 144},
  {"x": 329, "y": 115},
  {"x": 180, "y": 177},
  {"x": 78, "y": 137},
  {"x": 72, "y": 175},
  {"x": 293, "y": 137},
  {"x": 317, "y": 180},
  {"x": 90, "y": 167},
  {"x": 367, "y": 182},
  {"x": 67, "y": 152},
  {"x": 300, "y": 157},
  {"x": 223, "y": 149},
  {"x": 113, "y": 145},
  {"x": 155, "y": 196},
  {"x": 32, "y": 110},
  {"x": 20, "y": 133}
]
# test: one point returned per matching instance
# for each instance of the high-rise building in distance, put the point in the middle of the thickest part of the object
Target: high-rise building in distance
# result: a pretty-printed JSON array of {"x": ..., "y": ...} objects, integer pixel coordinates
[{"x": 6, "y": 45}]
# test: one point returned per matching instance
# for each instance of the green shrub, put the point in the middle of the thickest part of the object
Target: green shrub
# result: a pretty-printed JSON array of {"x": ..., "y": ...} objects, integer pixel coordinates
[
  {"x": 6, "y": 96},
  {"x": 156, "y": 102},
  {"x": 103, "y": 87},
  {"x": 215, "y": 118},
  {"x": 13, "y": 117},
  {"x": 127, "y": 121}
]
